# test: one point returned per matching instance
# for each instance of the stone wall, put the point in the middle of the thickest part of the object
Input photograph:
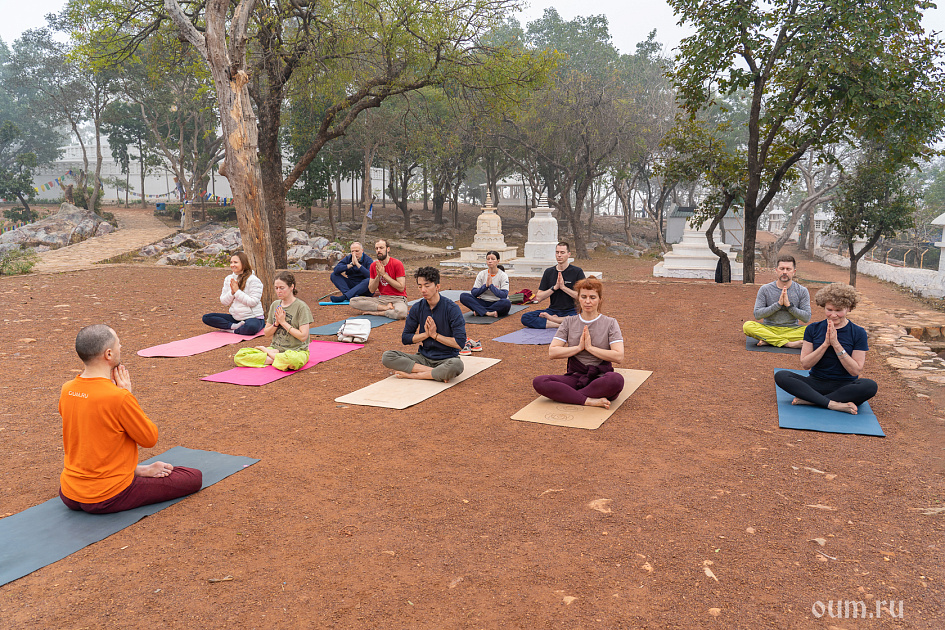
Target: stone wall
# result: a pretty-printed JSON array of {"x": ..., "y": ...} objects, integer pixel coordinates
[{"x": 925, "y": 282}]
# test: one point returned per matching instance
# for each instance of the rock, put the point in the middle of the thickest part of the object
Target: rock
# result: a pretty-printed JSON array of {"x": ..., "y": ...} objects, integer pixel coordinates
[
  {"x": 180, "y": 258},
  {"x": 517, "y": 235},
  {"x": 319, "y": 243},
  {"x": 69, "y": 225},
  {"x": 230, "y": 240},
  {"x": 296, "y": 266},
  {"x": 184, "y": 239},
  {"x": 104, "y": 228},
  {"x": 211, "y": 250},
  {"x": 210, "y": 231},
  {"x": 152, "y": 250},
  {"x": 299, "y": 252},
  {"x": 904, "y": 363},
  {"x": 296, "y": 237}
]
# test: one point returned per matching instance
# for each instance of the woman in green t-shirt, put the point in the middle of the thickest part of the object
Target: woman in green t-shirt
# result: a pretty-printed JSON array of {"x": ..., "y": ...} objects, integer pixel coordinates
[{"x": 288, "y": 324}]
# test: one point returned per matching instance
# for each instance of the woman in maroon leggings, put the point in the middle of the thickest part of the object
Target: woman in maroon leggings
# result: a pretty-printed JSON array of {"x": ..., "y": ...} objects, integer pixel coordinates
[{"x": 592, "y": 343}]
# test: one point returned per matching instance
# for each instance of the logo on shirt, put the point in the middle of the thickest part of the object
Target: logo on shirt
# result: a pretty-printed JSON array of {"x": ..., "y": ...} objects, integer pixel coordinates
[{"x": 78, "y": 394}]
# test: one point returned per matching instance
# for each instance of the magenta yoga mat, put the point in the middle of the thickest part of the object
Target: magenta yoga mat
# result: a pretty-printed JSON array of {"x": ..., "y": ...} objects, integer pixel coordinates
[
  {"x": 319, "y": 352},
  {"x": 196, "y": 345}
]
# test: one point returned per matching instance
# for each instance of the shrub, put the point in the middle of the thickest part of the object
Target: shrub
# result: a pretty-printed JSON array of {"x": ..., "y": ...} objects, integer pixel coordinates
[
  {"x": 21, "y": 215},
  {"x": 18, "y": 261},
  {"x": 222, "y": 213}
]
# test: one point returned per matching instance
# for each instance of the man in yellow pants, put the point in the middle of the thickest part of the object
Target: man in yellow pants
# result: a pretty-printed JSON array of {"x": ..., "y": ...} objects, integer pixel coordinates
[{"x": 781, "y": 304}]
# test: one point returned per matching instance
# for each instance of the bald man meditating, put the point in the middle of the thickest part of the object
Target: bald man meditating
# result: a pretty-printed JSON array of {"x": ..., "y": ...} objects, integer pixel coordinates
[{"x": 102, "y": 427}]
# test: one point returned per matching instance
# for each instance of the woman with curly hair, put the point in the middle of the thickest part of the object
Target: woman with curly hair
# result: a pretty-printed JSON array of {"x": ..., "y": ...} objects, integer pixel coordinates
[{"x": 834, "y": 351}]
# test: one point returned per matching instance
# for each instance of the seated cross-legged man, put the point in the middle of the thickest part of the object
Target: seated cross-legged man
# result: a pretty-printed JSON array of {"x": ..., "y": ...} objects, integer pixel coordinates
[
  {"x": 389, "y": 280},
  {"x": 557, "y": 283},
  {"x": 352, "y": 274},
  {"x": 102, "y": 427},
  {"x": 437, "y": 324},
  {"x": 781, "y": 304}
]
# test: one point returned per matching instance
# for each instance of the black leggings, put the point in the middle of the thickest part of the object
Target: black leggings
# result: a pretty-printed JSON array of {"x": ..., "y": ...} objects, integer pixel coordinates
[{"x": 820, "y": 392}]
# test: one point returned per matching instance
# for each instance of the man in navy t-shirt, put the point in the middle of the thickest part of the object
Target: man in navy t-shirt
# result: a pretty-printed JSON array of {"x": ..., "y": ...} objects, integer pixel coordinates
[{"x": 437, "y": 324}]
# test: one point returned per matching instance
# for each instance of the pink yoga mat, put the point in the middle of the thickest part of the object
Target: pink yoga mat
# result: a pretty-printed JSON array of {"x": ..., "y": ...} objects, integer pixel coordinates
[
  {"x": 319, "y": 352},
  {"x": 196, "y": 345}
]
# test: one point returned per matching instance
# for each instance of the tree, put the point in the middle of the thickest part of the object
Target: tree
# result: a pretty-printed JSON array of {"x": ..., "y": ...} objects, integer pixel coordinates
[
  {"x": 16, "y": 166},
  {"x": 126, "y": 130},
  {"x": 816, "y": 72},
  {"x": 873, "y": 203}
]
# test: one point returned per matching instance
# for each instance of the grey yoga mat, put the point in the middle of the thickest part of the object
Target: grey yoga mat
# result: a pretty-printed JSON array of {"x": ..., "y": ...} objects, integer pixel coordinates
[
  {"x": 50, "y": 531},
  {"x": 332, "y": 328},
  {"x": 752, "y": 344},
  {"x": 472, "y": 318}
]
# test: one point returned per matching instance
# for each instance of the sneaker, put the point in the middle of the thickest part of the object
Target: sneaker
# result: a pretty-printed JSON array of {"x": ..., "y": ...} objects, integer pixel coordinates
[
  {"x": 474, "y": 345},
  {"x": 465, "y": 352}
]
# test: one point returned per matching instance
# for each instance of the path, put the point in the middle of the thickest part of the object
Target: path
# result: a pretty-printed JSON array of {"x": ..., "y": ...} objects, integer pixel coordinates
[{"x": 137, "y": 228}]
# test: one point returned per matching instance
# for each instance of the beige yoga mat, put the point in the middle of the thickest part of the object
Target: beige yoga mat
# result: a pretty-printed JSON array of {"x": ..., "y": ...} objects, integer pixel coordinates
[
  {"x": 546, "y": 411},
  {"x": 400, "y": 393}
]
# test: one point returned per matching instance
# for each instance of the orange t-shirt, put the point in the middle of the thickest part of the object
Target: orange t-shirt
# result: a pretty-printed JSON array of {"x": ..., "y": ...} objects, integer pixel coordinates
[{"x": 102, "y": 426}]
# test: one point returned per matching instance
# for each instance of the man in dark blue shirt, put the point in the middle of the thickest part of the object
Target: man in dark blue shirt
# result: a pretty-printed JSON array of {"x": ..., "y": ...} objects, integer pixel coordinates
[
  {"x": 352, "y": 274},
  {"x": 557, "y": 283},
  {"x": 437, "y": 324}
]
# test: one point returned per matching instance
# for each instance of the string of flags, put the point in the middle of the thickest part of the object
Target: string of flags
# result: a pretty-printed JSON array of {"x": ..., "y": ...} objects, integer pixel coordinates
[{"x": 56, "y": 182}]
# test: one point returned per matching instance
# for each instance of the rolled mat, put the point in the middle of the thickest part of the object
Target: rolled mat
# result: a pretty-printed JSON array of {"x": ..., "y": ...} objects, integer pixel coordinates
[
  {"x": 529, "y": 336},
  {"x": 318, "y": 352},
  {"x": 811, "y": 418},
  {"x": 196, "y": 345},
  {"x": 50, "y": 531},
  {"x": 332, "y": 329},
  {"x": 546, "y": 411},
  {"x": 400, "y": 393},
  {"x": 752, "y": 344}
]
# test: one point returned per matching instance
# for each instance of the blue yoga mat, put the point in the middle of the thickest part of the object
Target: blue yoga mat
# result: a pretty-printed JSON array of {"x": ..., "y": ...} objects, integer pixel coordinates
[
  {"x": 529, "y": 336},
  {"x": 334, "y": 303},
  {"x": 448, "y": 293},
  {"x": 332, "y": 329},
  {"x": 752, "y": 344},
  {"x": 810, "y": 418},
  {"x": 50, "y": 531},
  {"x": 472, "y": 318}
]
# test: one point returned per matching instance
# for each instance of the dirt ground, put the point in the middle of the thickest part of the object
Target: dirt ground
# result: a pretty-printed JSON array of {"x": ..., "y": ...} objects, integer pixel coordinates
[{"x": 449, "y": 514}]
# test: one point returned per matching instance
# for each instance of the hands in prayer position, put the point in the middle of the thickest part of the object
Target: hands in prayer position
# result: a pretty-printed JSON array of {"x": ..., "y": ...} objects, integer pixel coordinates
[
  {"x": 784, "y": 300},
  {"x": 429, "y": 327},
  {"x": 121, "y": 377},
  {"x": 234, "y": 286}
]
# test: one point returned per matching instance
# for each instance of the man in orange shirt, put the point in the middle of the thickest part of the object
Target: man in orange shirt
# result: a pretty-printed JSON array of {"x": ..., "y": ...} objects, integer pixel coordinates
[{"x": 102, "y": 427}]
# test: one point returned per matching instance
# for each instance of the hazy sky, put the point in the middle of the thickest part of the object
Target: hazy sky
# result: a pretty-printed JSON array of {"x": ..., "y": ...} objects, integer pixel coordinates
[{"x": 630, "y": 20}]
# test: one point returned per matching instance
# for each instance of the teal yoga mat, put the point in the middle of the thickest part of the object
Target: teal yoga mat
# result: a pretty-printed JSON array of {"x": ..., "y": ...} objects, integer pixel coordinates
[
  {"x": 332, "y": 329},
  {"x": 50, "y": 531},
  {"x": 810, "y": 418},
  {"x": 752, "y": 344}
]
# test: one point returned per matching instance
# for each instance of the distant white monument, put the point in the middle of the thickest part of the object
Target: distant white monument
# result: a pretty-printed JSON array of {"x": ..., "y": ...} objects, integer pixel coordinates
[
  {"x": 489, "y": 237},
  {"x": 692, "y": 258},
  {"x": 542, "y": 240}
]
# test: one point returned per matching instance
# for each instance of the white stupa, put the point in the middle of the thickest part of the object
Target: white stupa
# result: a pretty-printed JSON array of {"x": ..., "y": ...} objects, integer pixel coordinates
[{"x": 692, "y": 258}]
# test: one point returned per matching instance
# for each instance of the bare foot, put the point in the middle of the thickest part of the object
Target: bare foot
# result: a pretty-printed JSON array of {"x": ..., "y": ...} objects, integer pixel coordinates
[
  {"x": 846, "y": 407},
  {"x": 492, "y": 314},
  {"x": 157, "y": 469},
  {"x": 423, "y": 376},
  {"x": 799, "y": 401},
  {"x": 762, "y": 342},
  {"x": 794, "y": 344},
  {"x": 544, "y": 315},
  {"x": 597, "y": 402}
]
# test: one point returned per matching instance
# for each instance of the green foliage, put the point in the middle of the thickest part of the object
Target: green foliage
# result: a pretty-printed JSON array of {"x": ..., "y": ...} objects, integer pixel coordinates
[
  {"x": 874, "y": 202},
  {"x": 82, "y": 195},
  {"x": 815, "y": 72},
  {"x": 16, "y": 165},
  {"x": 18, "y": 261},
  {"x": 20, "y": 215},
  {"x": 222, "y": 213}
]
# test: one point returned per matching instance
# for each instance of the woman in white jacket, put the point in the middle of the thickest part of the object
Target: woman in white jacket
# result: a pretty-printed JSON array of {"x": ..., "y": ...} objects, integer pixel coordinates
[{"x": 242, "y": 292}]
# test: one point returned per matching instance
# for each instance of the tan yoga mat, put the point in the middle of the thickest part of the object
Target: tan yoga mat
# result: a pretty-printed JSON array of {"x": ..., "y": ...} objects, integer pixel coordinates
[
  {"x": 546, "y": 411},
  {"x": 400, "y": 393}
]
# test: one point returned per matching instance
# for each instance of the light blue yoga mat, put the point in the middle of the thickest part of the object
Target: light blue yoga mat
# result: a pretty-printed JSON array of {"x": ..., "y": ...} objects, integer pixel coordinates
[
  {"x": 529, "y": 336},
  {"x": 50, "y": 531},
  {"x": 752, "y": 344},
  {"x": 448, "y": 293},
  {"x": 810, "y": 418},
  {"x": 332, "y": 329},
  {"x": 334, "y": 303}
]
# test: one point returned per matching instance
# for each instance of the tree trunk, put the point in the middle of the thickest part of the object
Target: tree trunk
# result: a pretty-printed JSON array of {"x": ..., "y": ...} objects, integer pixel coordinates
[
  {"x": 748, "y": 247},
  {"x": 238, "y": 121},
  {"x": 338, "y": 189},
  {"x": 426, "y": 195},
  {"x": 853, "y": 262},
  {"x": 273, "y": 192},
  {"x": 724, "y": 260},
  {"x": 367, "y": 183}
]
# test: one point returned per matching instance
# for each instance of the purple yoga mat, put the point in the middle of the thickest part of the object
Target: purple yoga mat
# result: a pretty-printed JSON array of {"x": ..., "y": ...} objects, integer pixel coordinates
[
  {"x": 319, "y": 352},
  {"x": 195, "y": 345},
  {"x": 529, "y": 336}
]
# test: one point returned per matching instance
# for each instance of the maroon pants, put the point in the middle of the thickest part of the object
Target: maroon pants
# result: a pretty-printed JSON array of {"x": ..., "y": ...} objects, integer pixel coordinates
[
  {"x": 562, "y": 388},
  {"x": 144, "y": 491}
]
